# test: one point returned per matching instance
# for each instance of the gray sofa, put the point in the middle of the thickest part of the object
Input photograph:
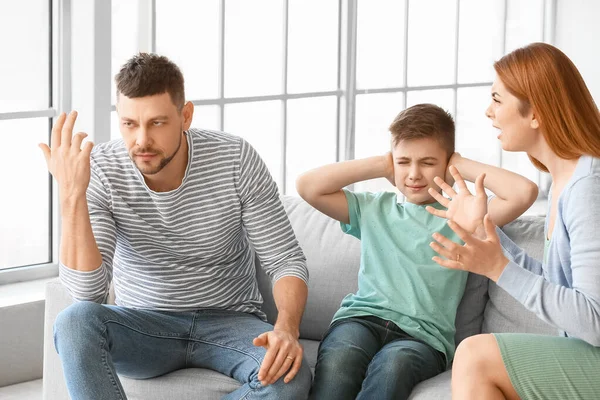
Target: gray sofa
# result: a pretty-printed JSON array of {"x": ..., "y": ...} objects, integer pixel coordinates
[{"x": 333, "y": 260}]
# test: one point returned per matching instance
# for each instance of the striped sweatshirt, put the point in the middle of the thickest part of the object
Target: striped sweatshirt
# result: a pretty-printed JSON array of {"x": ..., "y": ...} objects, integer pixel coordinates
[{"x": 191, "y": 248}]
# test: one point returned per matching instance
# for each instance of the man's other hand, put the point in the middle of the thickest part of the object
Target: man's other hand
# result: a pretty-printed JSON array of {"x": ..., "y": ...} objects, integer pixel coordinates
[{"x": 284, "y": 353}]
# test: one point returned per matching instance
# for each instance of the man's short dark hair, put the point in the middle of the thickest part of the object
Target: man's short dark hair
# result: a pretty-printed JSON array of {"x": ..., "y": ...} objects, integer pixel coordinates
[
  {"x": 147, "y": 74},
  {"x": 424, "y": 121}
]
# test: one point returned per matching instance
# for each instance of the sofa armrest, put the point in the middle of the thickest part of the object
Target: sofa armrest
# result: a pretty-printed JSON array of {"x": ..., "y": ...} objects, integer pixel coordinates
[{"x": 57, "y": 299}]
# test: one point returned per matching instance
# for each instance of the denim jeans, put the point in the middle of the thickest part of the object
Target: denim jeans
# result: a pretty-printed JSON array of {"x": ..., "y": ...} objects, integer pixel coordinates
[
  {"x": 370, "y": 358},
  {"x": 95, "y": 342}
]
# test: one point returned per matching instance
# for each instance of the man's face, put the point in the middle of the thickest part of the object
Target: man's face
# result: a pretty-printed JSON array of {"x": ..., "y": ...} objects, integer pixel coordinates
[
  {"x": 416, "y": 163},
  {"x": 152, "y": 128}
]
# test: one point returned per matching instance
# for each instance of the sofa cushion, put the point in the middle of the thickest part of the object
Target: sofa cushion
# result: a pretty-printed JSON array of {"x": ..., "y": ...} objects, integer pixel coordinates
[
  {"x": 436, "y": 388},
  {"x": 503, "y": 313},
  {"x": 333, "y": 260}
]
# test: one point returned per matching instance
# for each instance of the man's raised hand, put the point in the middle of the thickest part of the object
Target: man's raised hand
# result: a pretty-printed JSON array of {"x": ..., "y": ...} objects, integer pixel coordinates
[{"x": 67, "y": 161}]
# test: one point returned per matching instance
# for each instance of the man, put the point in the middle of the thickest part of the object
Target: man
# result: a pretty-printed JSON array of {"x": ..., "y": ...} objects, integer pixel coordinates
[{"x": 172, "y": 216}]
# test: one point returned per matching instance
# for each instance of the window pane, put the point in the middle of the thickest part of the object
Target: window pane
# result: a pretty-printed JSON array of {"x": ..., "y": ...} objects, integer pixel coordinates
[
  {"x": 125, "y": 26},
  {"x": 440, "y": 97},
  {"x": 374, "y": 114},
  {"x": 253, "y": 47},
  {"x": 480, "y": 38},
  {"x": 380, "y": 44},
  {"x": 431, "y": 39},
  {"x": 260, "y": 124},
  {"x": 524, "y": 23},
  {"x": 311, "y": 136},
  {"x": 207, "y": 117},
  {"x": 191, "y": 40},
  {"x": 115, "y": 133},
  {"x": 24, "y": 69},
  {"x": 312, "y": 45},
  {"x": 476, "y": 138},
  {"x": 24, "y": 231},
  {"x": 520, "y": 163}
]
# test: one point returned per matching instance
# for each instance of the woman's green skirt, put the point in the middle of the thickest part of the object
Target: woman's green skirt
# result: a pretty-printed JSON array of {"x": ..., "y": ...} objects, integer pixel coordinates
[{"x": 551, "y": 367}]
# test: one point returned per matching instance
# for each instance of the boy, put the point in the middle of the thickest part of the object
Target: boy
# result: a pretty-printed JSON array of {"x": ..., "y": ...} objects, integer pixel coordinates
[{"x": 398, "y": 328}]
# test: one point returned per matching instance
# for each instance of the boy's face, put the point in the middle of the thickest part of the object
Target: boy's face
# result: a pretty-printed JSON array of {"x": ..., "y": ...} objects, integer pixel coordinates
[{"x": 416, "y": 163}]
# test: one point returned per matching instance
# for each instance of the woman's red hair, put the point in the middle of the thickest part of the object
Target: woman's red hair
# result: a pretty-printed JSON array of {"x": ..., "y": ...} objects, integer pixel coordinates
[{"x": 543, "y": 77}]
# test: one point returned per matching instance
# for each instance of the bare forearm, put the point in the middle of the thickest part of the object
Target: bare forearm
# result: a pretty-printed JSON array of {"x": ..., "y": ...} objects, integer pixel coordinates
[
  {"x": 78, "y": 249},
  {"x": 290, "y": 295},
  {"x": 333, "y": 177},
  {"x": 505, "y": 184}
]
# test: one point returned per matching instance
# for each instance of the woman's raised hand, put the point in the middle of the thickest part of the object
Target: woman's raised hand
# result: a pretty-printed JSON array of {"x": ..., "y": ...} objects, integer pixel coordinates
[{"x": 464, "y": 208}]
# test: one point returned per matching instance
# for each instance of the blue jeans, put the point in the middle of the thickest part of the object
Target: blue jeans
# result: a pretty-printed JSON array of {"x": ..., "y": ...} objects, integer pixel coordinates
[
  {"x": 95, "y": 342},
  {"x": 370, "y": 358}
]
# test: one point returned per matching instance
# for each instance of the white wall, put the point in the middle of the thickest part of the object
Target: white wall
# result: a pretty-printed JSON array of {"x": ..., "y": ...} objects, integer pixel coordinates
[{"x": 578, "y": 35}]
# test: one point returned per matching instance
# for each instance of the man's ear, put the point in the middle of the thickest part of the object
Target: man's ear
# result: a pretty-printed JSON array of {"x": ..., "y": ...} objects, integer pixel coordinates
[{"x": 188, "y": 114}]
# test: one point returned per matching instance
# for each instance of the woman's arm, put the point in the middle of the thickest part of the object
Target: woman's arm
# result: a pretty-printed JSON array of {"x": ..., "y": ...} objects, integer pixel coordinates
[
  {"x": 514, "y": 193},
  {"x": 574, "y": 309}
]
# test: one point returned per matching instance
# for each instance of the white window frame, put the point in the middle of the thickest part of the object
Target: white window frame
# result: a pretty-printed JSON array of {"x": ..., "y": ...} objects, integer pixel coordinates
[{"x": 90, "y": 20}]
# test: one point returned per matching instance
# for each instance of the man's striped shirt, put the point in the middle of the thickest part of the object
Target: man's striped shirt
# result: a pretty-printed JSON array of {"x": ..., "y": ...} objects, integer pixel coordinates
[{"x": 190, "y": 248}]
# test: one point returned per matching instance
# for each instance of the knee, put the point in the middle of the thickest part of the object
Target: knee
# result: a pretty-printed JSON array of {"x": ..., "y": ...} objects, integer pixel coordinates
[
  {"x": 334, "y": 358},
  {"x": 298, "y": 387},
  {"x": 399, "y": 364},
  {"x": 472, "y": 354},
  {"x": 76, "y": 323}
]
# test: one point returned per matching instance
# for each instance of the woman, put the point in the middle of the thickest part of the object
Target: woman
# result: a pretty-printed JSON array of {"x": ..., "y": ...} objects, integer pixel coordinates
[{"x": 541, "y": 106}]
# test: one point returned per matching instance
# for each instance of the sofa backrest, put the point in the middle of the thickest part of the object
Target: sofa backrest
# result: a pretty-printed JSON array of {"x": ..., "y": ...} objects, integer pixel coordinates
[{"x": 333, "y": 260}]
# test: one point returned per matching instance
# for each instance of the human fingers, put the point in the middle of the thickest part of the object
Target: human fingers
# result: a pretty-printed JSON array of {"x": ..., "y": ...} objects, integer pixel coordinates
[
  {"x": 438, "y": 197},
  {"x": 266, "y": 364},
  {"x": 444, "y": 186},
  {"x": 464, "y": 235},
  {"x": 458, "y": 179},
  {"x": 447, "y": 243},
  {"x": 294, "y": 370},
  {"x": 490, "y": 228},
  {"x": 67, "y": 129},
  {"x": 281, "y": 365},
  {"x": 450, "y": 264},
  {"x": 479, "y": 187},
  {"x": 77, "y": 140},
  {"x": 56, "y": 129},
  {"x": 87, "y": 149},
  {"x": 261, "y": 340},
  {"x": 436, "y": 212},
  {"x": 275, "y": 371},
  {"x": 46, "y": 151},
  {"x": 442, "y": 251}
]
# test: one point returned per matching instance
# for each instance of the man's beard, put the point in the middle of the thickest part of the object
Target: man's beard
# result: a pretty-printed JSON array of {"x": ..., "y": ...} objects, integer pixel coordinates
[{"x": 163, "y": 163}]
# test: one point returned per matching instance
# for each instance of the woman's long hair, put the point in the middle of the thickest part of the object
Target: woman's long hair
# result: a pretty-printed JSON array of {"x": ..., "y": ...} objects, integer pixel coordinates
[{"x": 543, "y": 77}]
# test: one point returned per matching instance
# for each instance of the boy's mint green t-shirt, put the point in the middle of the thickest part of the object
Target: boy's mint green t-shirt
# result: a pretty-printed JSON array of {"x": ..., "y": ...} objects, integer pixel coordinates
[{"x": 397, "y": 280}]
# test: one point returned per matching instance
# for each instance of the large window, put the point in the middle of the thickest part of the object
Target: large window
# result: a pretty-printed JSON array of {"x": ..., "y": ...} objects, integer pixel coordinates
[
  {"x": 312, "y": 82},
  {"x": 306, "y": 82},
  {"x": 25, "y": 120},
  {"x": 274, "y": 82}
]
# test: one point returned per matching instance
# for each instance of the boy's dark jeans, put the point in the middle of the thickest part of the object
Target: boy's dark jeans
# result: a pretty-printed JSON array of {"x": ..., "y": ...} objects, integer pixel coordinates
[{"x": 371, "y": 358}]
